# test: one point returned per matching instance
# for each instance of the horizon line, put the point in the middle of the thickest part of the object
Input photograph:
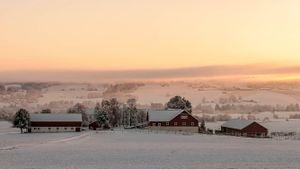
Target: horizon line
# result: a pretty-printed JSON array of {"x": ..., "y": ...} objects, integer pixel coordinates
[{"x": 212, "y": 71}]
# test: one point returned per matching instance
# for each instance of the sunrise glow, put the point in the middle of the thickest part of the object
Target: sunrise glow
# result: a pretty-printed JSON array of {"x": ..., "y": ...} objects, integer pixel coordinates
[{"x": 133, "y": 35}]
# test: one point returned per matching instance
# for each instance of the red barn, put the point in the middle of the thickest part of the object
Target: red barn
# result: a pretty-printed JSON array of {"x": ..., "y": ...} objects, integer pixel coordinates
[
  {"x": 247, "y": 128},
  {"x": 172, "y": 119},
  {"x": 55, "y": 123}
]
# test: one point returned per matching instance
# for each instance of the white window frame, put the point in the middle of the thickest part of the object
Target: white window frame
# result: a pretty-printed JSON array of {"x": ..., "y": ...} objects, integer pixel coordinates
[
  {"x": 158, "y": 124},
  {"x": 153, "y": 124},
  {"x": 192, "y": 124},
  {"x": 175, "y": 124},
  {"x": 184, "y": 117},
  {"x": 167, "y": 123}
]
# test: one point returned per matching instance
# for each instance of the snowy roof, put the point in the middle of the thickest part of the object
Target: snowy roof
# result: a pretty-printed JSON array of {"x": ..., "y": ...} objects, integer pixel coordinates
[
  {"x": 163, "y": 115},
  {"x": 237, "y": 124},
  {"x": 55, "y": 117}
]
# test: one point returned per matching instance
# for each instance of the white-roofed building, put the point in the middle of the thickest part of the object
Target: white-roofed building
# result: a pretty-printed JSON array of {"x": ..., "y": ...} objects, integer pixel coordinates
[
  {"x": 240, "y": 127},
  {"x": 172, "y": 119},
  {"x": 55, "y": 122}
]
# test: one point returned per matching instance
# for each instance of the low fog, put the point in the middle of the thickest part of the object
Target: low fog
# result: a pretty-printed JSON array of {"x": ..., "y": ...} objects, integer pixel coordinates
[{"x": 206, "y": 72}]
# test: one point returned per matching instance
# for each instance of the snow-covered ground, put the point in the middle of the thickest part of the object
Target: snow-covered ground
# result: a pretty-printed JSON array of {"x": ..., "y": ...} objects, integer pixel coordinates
[
  {"x": 283, "y": 126},
  {"x": 157, "y": 93},
  {"x": 67, "y": 92},
  {"x": 135, "y": 149},
  {"x": 6, "y": 127},
  {"x": 10, "y": 138}
]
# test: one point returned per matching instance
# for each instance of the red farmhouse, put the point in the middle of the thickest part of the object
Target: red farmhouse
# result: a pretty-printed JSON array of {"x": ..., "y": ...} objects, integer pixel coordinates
[{"x": 172, "y": 119}]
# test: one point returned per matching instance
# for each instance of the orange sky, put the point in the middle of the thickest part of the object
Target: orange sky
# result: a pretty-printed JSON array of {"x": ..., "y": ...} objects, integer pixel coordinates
[{"x": 147, "y": 34}]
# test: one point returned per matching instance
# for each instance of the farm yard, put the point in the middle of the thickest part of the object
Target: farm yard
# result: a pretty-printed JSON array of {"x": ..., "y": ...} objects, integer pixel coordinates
[{"x": 130, "y": 149}]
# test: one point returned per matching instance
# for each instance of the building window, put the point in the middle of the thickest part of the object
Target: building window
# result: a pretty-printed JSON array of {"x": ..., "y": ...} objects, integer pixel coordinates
[
  {"x": 57, "y": 128},
  {"x": 175, "y": 123},
  {"x": 167, "y": 123},
  {"x": 49, "y": 128},
  {"x": 153, "y": 124},
  {"x": 66, "y": 129},
  {"x": 159, "y": 124},
  {"x": 38, "y": 128},
  {"x": 34, "y": 128},
  {"x": 192, "y": 123},
  {"x": 183, "y": 123},
  {"x": 184, "y": 117}
]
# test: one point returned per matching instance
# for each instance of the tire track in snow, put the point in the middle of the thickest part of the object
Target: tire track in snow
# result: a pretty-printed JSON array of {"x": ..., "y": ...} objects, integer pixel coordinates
[{"x": 61, "y": 140}]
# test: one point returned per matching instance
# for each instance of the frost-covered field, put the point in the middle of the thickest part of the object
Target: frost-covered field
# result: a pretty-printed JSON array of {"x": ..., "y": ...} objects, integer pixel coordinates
[
  {"x": 156, "y": 93},
  {"x": 142, "y": 150},
  {"x": 153, "y": 93}
]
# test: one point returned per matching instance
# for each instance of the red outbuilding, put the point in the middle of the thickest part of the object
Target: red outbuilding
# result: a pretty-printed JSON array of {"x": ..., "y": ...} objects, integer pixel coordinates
[{"x": 247, "y": 128}]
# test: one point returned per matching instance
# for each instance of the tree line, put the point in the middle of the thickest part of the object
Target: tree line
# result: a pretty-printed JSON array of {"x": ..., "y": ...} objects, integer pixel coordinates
[{"x": 245, "y": 108}]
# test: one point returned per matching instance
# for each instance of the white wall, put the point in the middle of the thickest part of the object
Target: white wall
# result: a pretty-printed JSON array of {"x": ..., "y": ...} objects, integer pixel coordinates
[
  {"x": 52, "y": 129},
  {"x": 184, "y": 129}
]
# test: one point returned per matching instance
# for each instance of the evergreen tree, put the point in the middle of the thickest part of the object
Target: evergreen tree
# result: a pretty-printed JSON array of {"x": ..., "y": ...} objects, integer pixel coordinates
[
  {"x": 21, "y": 119},
  {"x": 101, "y": 115},
  {"x": 114, "y": 112},
  {"x": 126, "y": 116},
  {"x": 132, "y": 111},
  {"x": 142, "y": 116},
  {"x": 178, "y": 102}
]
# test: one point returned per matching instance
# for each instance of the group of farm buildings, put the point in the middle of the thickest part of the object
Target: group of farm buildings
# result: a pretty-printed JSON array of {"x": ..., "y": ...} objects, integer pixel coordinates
[{"x": 180, "y": 120}]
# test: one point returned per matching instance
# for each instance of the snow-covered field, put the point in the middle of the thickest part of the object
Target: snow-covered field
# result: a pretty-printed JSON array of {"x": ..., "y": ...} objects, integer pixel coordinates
[
  {"x": 153, "y": 93},
  {"x": 135, "y": 149},
  {"x": 157, "y": 93},
  {"x": 10, "y": 138},
  {"x": 67, "y": 92}
]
